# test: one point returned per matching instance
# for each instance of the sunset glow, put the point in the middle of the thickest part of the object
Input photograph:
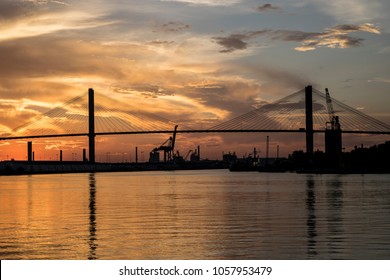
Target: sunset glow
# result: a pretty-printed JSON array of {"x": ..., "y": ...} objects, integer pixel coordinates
[{"x": 197, "y": 63}]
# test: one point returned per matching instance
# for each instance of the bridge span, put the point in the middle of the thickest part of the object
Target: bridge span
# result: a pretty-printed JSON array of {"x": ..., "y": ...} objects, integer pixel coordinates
[
  {"x": 187, "y": 132},
  {"x": 306, "y": 111}
]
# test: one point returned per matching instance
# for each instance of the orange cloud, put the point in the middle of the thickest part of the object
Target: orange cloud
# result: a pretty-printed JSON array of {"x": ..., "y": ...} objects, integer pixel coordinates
[{"x": 48, "y": 23}]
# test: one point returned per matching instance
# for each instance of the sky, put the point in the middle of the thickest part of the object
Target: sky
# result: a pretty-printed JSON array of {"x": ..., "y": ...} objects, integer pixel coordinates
[{"x": 201, "y": 61}]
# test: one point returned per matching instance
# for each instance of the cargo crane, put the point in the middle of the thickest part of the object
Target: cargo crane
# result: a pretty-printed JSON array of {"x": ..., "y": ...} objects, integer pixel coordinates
[
  {"x": 333, "y": 122},
  {"x": 193, "y": 154},
  {"x": 333, "y": 139},
  {"x": 188, "y": 153},
  {"x": 167, "y": 147}
]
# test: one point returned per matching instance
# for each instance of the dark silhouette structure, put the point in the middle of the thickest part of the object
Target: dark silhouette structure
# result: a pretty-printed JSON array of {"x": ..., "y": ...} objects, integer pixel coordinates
[
  {"x": 29, "y": 152},
  {"x": 301, "y": 112},
  {"x": 91, "y": 124},
  {"x": 333, "y": 138},
  {"x": 309, "y": 120},
  {"x": 167, "y": 147}
]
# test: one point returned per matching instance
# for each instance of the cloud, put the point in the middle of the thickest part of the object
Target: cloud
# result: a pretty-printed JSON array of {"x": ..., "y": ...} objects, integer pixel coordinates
[
  {"x": 207, "y": 2},
  {"x": 267, "y": 7},
  {"x": 237, "y": 41},
  {"x": 49, "y": 23},
  {"x": 171, "y": 27},
  {"x": 354, "y": 10},
  {"x": 337, "y": 37},
  {"x": 127, "y": 71},
  {"x": 10, "y": 9},
  {"x": 174, "y": 73},
  {"x": 334, "y": 37},
  {"x": 45, "y": 2},
  {"x": 45, "y": 60},
  {"x": 146, "y": 90},
  {"x": 347, "y": 28},
  {"x": 380, "y": 80},
  {"x": 232, "y": 42},
  {"x": 14, "y": 113},
  {"x": 160, "y": 43}
]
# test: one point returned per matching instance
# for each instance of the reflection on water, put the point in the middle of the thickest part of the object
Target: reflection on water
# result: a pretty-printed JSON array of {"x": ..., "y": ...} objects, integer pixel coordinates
[
  {"x": 92, "y": 217},
  {"x": 311, "y": 218},
  {"x": 334, "y": 197},
  {"x": 195, "y": 215}
]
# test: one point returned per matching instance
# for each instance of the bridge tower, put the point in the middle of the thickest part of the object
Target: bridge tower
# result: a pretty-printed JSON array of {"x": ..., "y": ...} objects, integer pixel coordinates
[
  {"x": 91, "y": 124},
  {"x": 29, "y": 152},
  {"x": 309, "y": 120}
]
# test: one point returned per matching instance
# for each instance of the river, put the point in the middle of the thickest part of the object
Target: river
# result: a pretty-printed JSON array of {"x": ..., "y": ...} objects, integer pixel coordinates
[{"x": 210, "y": 214}]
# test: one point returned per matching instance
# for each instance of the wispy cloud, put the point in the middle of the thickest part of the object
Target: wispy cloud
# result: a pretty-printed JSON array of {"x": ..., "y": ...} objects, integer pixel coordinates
[
  {"x": 334, "y": 37},
  {"x": 171, "y": 27},
  {"x": 14, "y": 113},
  {"x": 44, "y": 2},
  {"x": 337, "y": 37},
  {"x": 238, "y": 41},
  {"x": 10, "y": 10},
  {"x": 146, "y": 90},
  {"x": 207, "y": 2},
  {"x": 267, "y": 7},
  {"x": 48, "y": 23},
  {"x": 380, "y": 80},
  {"x": 353, "y": 10}
]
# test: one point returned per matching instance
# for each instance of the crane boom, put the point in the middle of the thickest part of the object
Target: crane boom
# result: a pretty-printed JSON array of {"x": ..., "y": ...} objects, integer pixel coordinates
[
  {"x": 168, "y": 147},
  {"x": 174, "y": 137},
  {"x": 188, "y": 153},
  {"x": 333, "y": 120},
  {"x": 329, "y": 105}
]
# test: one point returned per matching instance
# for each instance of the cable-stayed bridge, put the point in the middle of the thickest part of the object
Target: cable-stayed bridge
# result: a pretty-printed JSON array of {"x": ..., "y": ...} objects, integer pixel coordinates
[
  {"x": 289, "y": 115},
  {"x": 306, "y": 111}
]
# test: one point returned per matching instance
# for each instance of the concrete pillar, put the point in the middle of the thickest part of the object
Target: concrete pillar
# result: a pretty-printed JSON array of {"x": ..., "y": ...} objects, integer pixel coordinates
[
  {"x": 91, "y": 125},
  {"x": 267, "y": 151},
  {"x": 309, "y": 120},
  {"x": 60, "y": 155},
  {"x": 29, "y": 152}
]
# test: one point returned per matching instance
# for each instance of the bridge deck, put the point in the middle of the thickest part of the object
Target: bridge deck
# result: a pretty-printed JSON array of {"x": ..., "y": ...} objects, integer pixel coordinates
[{"x": 188, "y": 131}]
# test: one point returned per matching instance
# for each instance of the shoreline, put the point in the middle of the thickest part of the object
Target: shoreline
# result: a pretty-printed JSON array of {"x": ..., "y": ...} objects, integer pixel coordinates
[{"x": 12, "y": 168}]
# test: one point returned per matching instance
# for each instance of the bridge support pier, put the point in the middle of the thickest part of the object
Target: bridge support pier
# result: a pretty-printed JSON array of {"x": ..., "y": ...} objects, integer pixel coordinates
[
  {"x": 29, "y": 152},
  {"x": 91, "y": 124},
  {"x": 309, "y": 121}
]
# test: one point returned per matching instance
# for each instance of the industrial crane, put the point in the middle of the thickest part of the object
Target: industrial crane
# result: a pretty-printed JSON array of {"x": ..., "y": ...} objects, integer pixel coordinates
[
  {"x": 333, "y": 139},
  {"x": 188, "y": 153},
  {"x": 333, "y": 123},
  {"x": 167, "y": 147}
]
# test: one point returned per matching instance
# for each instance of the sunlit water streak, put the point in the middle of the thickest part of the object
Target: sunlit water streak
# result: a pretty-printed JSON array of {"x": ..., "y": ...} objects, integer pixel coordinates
[{"x": 195, "y": 215}]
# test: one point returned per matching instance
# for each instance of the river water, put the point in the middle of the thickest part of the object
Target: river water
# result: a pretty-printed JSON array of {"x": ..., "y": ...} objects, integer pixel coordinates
[{"x": 212, "y": 214}]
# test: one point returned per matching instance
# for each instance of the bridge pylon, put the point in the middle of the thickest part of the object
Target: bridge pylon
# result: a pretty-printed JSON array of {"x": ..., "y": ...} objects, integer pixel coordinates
[
  {"x": 309, "y": 120},
  {"x": 91, "y": 124}
]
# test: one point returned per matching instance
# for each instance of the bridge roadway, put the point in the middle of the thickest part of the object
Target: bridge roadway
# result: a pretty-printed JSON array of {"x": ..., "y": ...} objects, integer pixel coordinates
[{"x": 186, "y": 131}]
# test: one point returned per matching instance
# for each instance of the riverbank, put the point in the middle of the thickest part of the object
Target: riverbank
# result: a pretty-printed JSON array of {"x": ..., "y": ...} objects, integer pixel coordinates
[{"x": 55, "y": 167}]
